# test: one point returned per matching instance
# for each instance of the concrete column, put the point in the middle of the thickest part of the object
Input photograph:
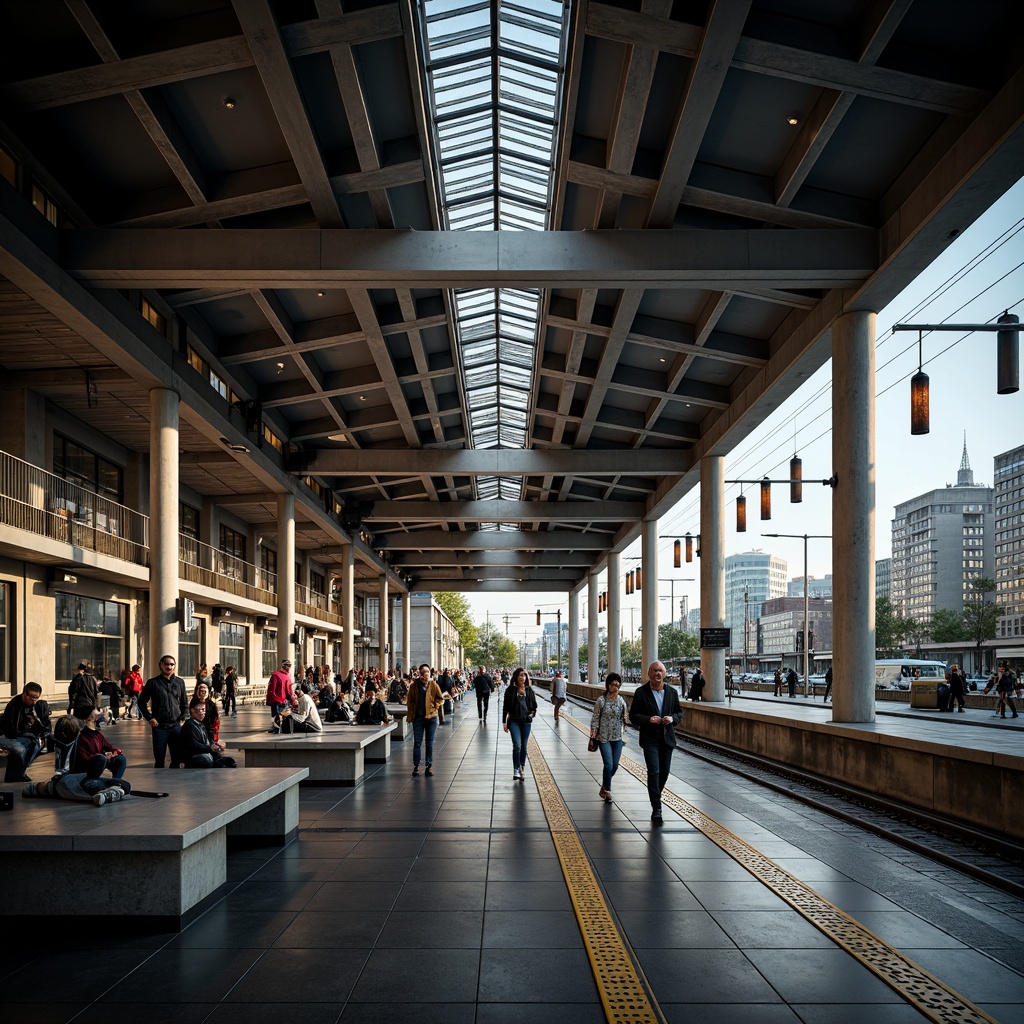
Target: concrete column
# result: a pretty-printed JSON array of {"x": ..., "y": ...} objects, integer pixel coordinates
[
  {"x": 574, "y": 637},
  {"x": 286, "y": 579},
  {"x": 853, "y": 518},
  {"x": 614, "y": 612},
  {"x": 163, "y": 526},
  {"x": 406, "y": 631},
  {"x": 593, "y": 631},
  {"x": 348, "y": 609},
  {"x": 382, "y": 624},
  {"x": 649, "y": 594},
  {"x": 712, "y": 569}
]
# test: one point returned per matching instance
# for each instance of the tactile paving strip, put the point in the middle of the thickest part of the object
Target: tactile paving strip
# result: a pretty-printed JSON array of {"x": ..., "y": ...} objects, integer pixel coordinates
[
  {"x": 936, "y": 1000},
  {"x": 624, "y": 992}
]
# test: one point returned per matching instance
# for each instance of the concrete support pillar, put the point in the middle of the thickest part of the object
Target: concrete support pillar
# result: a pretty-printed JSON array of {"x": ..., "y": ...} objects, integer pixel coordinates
[
  {"x": 348, "y": 609},
  {"x": 649, "y": 593},
  {"x": 712, "y": 569},
  {"x": 593, "y": 631},
  {"x": 163, "y": 526},
  {"x": 406, "y": 631},
  {"x": 382, "y": 624},
  {"x": 614, "y": 612},
  {"x": 286, "y": 580},
  {"x": 574, "y": 637},
  {"x": 853, "y": 518}
]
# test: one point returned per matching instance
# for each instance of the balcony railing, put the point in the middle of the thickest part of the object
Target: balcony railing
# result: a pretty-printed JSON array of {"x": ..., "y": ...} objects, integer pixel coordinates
[
  {"x": 200, "y": 563},
  {"x": 39, "y": 502},
  {"x": 316, "y": 606}
]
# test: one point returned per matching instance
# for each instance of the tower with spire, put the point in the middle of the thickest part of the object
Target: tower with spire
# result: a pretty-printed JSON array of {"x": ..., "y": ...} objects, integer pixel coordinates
[{"x": 965, "y": 476}]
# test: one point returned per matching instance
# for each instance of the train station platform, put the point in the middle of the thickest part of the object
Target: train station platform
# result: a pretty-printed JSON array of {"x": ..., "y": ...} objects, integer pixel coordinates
[{"x": 471, "y": 898}]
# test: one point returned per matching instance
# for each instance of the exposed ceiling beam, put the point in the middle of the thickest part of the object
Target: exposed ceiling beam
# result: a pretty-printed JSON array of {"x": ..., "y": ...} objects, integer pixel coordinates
[
  {"x": 278, "y": 258},
  {"x": 493, "y": 540},
  {"x": 525, "y": 586},
  {"x": 505, "y": 511},
  {"x": 465, "y": 559}
]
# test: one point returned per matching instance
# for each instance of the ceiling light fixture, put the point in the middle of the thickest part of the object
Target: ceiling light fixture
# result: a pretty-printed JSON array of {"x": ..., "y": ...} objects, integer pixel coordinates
[
  {"x": 229, "y": 103},
  {"x": 793, "y": 119}
]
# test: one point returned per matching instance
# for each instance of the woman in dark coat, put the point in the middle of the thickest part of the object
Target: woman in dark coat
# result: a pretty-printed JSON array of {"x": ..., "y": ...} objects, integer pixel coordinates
[{"x": 517, "y": 714}]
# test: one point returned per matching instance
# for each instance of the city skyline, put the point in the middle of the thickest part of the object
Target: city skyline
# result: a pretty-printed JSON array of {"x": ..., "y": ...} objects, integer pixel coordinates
[{"x": 978, "y": 277}]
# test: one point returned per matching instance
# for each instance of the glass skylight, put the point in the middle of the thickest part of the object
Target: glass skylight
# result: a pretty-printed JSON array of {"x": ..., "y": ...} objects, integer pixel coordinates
[{"x": 494, "y": 71}]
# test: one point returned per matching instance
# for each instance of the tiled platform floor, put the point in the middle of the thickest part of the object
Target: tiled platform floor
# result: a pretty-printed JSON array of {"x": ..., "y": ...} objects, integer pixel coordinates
[{"x": 440, "y": 899}]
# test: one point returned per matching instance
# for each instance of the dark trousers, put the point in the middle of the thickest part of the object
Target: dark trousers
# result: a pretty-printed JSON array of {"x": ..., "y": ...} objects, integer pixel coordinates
[
  {"x": 97, "y": 765},
  {"x": 658, "y": 757},
  {"x": 482, "y": 700},
  {"x": 229, "y": 702},
  {"x": 163, "y": 734}
]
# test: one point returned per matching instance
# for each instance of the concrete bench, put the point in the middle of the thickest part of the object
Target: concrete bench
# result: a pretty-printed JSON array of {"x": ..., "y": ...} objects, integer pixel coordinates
[
  {"x": 174, "y": 848},
  {"x": 336, "y": 756},
  {"x": 399, "y": 713}
]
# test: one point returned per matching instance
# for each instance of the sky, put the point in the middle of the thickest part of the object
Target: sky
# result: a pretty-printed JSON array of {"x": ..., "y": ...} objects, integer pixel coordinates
[{"x": 978, "y": 277}]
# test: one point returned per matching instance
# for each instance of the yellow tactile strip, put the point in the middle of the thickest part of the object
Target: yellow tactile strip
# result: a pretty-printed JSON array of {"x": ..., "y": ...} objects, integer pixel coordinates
[
  {"x": 936, "y": 1000},
  {"x": 624, "y": 992}
]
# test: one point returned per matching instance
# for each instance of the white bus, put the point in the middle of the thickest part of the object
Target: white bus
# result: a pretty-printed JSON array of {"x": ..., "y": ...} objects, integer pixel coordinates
[{"x": 899, "y": 673}]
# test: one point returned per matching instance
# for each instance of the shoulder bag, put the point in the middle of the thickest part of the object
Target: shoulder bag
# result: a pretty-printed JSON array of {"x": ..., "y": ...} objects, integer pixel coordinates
[{"x": 592, "y": 742}]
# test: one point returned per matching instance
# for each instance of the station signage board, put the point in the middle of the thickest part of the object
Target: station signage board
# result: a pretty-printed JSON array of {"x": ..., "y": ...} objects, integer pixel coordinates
[{"x": 716, "y": 638}]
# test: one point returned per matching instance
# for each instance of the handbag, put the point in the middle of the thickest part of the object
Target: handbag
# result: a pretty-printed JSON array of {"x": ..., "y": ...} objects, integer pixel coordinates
[{"x": 592, "y": 742}]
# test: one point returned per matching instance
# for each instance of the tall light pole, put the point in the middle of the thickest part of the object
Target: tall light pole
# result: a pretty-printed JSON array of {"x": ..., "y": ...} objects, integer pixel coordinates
[{"x": 807, "y": 624}]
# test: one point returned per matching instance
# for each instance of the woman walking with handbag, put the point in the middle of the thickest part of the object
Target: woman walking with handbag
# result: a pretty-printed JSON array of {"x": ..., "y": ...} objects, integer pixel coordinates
[
  {"x": 606, "y": 729},
  {"x": 517, "y": 714}
]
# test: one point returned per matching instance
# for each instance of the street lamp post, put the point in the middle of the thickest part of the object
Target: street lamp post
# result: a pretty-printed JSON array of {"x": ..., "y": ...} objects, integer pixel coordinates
[{"x": 807, "y": 625}]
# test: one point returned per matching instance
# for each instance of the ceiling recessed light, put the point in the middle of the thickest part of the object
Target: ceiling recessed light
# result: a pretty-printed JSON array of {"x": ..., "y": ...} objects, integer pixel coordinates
[
  {"x": 661, "y": 359},
  {"x": 229, "y": 103},
  {"x": 793, "y": 119},
  {"x": 362, "y": 398},
  {"x": 319, "y": 295}
]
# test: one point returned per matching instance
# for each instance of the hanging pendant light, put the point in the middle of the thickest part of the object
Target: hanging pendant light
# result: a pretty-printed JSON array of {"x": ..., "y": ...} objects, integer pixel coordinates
[
  {"x": 796, "y": 480},
  {"x": 1008, "y": 355},
  {"x": 741, "y": 514},
  {"x": 638, "y": 580},
  {"x": 766, "y": 498},
  {"x": 919, "y": 389},
  {"x": 677, "y": 554},
  {"x": 689, "y": 548}
]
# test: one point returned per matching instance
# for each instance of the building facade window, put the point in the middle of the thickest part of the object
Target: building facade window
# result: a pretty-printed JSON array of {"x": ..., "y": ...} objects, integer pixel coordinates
[
  {"x": 319, "y": 651},
  {"x": 188, "y": 652},
  {"x": 88, "y": 629},
  {"x": 79, "y": 465},
  {"x": 5, "y": 603},
  {"x": 233, "y": 647},
  {"x": 232, "y": 542},
  {"x": 317, "y": 583},
  {"x": 269, "y": 652}
]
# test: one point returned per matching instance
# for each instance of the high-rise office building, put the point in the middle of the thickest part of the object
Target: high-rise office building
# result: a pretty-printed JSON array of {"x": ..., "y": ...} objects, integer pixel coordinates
[
  {"x": 941, "y": 541},
  {"x": 815, "y": 587},
  {"x": 750, "y": 578},
  {"x": 1008, "y": 537},
  {"x": 883, "y": 578}
]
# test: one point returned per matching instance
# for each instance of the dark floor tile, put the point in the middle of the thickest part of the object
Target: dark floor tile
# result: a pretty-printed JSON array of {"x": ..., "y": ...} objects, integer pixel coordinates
[
  {"x": 454, "y": 981},
  {"x": 224, "y": 928},
  {"x": 338, "y": 930},
  {"x": 666, "y": 929},
  {"x": 971, "y": 974},
  {"x": 171, "y": 1013},
  {"x": 857, "y": 1013},
  {"x": 458, "y": 929},
  {"x": 304, "y": 870},
  {"x": 667, "y": 896},
  {"x": 736, "y": 896},
  {"x": 520, "y": 976},
  {"x": 284, "y": 977},
  {"x": 185, "y": 975},
  {"x": 453, "y": 896},
  {"x": 725, "y": 977},
  {"x": 503, "y": 869},
  {"x": 272, "y": 1013},
  {"x": 527, "y": 896},
  {"x": 70, "y": 977},
  {"x": 554, "y": 1013},
  {"x": 647, "y": 869},
  {"x": 336, "y": 895},
  {"x": 405, "y": 1013},
  {"x": 532, "y": 929},
  {"x": 255, "y": 897},
  {"x": 770, "y": 929},
  {"x": 821, "y": 976},
  {"x": 434, "y": 870},
  {"x": 740, "y": 1013},
  {"x": 365, "y": 869}
]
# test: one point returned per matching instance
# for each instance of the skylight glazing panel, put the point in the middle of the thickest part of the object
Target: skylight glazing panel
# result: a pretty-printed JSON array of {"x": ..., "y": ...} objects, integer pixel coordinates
[{"x": 495, "y": 112}]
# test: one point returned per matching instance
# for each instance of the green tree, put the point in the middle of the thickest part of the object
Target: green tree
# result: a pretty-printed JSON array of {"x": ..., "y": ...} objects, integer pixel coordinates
[
  {"x": 888, "y": 628},
  {"x": 914, "y": 631},
  {"x": 948, "y": 627},
  {"x": 631, "y": 652},
  {"x": 675, "y": 643},
  {"x": 492, "y": 648},
  {"x": 456, "y": 607},
  {"x": 981, "y": 617}
]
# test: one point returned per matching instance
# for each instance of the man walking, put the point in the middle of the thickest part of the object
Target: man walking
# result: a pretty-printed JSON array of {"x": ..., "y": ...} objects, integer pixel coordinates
[
  {"x": 483, "y": 684},
  {"x": 655, "y": 711},
  {"x": 558, "y": 691},
  {"x": 422, "y": 705},
  {"x": 164, "y": 704}
]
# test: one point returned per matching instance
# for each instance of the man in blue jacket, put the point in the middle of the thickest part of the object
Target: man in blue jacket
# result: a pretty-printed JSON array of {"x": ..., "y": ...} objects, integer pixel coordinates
[{"x": 655, "y": 711}]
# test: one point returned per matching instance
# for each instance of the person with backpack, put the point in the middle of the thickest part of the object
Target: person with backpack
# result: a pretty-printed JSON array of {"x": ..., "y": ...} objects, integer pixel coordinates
[{"x": 84, "y": 690}]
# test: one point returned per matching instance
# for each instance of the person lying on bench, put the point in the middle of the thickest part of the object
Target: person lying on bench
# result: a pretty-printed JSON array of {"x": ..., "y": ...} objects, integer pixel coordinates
[
  {"x": 193, "y": 747},
  {"x": 372, "y": 711}
]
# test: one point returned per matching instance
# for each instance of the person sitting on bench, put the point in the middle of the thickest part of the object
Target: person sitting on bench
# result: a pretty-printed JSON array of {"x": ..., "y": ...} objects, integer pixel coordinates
[
  {"x": 372, "y": 711},
  {"x": 193, "y": 746},
  {"x": 306, "y": 717}
]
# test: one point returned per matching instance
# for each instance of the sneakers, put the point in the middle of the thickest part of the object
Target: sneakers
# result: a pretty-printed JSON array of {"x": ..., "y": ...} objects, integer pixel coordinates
[
  {"x": 428, "y": 771},
  {"x": 656, "y": 816},
  {"x": 516, "y": 775},
  {"x": 108, "y": 796},
  {"x": 415, "y": 771}
]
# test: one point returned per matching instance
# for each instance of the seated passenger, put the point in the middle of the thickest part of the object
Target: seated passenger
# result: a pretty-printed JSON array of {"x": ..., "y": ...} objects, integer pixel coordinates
[
  {"x": 372, "y": 711},
  {"x": 398, "y": 690},
  {"x": 94, "y": 754},
  {"x": 306, "y": 717},
  {"x": 24, "y": 727},
  {"x": 194, "y": 748},
  {"x": 211, "y": 722}
]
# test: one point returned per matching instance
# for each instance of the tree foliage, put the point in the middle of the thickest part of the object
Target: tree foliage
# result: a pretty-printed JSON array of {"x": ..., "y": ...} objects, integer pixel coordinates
[
  {"x": 456, "y": 607},
  {"x": 675, "y": 643},
  {"x": 981, "y": 618},
  {"x": 492, "y": 648},
  {"x": 889, "y": 628},
  {"x": 948, "y": 626}
]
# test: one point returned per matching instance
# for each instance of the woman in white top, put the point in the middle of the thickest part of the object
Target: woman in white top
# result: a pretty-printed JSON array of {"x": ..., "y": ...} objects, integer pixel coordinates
[
  {"x": 607, "y": 727},
  {"x": 306, "y": 717}
]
